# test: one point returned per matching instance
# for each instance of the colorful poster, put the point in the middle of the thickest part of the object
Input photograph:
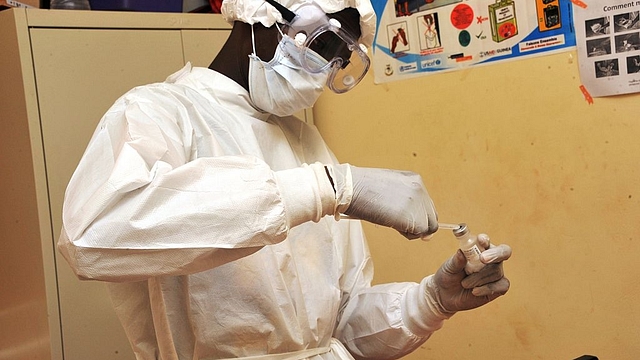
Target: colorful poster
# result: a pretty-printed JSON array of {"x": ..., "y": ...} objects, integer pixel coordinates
[
  {"x": 608, "y": 45},
  {"x": 419, "y": 37}
]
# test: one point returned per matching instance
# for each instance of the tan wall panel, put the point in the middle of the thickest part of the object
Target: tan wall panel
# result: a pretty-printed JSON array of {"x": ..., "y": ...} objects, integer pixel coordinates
[{"x": 514, "y": 150}]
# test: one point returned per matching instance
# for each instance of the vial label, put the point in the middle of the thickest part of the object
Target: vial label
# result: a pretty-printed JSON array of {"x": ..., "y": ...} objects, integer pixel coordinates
[{"x": 473, "y": 253}]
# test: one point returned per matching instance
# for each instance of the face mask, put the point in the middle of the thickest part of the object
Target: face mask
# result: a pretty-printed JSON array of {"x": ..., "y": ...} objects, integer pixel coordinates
[{"x": 281, "y": 86}]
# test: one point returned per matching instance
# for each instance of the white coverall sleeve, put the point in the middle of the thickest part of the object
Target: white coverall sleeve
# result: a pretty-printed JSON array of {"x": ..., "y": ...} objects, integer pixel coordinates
[
  {"x": 384, "y": 321},
  {"x": 141, "y": 203}
]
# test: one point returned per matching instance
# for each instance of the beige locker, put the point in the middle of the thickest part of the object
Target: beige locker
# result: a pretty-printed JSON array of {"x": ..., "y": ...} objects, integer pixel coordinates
[{"x": 61, "y": 70}]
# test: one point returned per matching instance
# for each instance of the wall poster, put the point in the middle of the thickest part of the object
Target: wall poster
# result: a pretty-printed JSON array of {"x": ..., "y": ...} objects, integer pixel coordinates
[
  {"x": 608, "y": 36},
  {"x": 418, "y": 37}
]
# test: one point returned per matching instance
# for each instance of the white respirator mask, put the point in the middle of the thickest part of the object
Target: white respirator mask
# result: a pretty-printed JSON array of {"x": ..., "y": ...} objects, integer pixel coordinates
[{"x": 281, "y": 86}]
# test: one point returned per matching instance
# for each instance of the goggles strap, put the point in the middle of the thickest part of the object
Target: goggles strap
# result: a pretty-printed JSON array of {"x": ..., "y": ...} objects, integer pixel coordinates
[
  {"x": 279, "y": 30},
  {"x": 253, "y": 41}
]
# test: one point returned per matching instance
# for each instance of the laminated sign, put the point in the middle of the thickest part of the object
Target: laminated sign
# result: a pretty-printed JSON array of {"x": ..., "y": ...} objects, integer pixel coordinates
[
  {"x": 419, "y": 37},
  {"x": 608, "y": 46}
]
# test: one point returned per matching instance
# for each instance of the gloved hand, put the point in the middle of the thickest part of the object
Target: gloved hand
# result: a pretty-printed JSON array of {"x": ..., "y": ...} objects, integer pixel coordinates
[
  {"x": 451, "y": 289},
  {"x": 396, "y": 199}
]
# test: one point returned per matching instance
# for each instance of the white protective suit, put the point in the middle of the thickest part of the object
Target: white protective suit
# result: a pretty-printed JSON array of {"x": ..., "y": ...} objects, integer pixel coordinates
[{"x": 175, "y": 203}]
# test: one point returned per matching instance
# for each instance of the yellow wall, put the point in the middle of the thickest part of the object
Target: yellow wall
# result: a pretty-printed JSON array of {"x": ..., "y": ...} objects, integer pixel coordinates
[{"x": 514, "y": 150}]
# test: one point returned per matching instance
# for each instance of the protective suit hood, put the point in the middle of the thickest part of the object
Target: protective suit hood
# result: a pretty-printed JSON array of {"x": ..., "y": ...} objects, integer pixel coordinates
[{"x": 258, "y": 11}]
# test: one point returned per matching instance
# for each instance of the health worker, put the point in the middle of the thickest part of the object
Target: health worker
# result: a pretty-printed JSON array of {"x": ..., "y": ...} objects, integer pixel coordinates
[{"x": 214, "y": 215}]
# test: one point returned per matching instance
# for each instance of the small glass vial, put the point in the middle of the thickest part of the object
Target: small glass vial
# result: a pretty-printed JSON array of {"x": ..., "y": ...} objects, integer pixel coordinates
[{"x": 470, "y": 247}]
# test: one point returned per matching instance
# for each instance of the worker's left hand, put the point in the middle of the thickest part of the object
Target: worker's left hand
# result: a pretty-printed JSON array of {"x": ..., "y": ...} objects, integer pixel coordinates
[{"x": 452, "y": 290}]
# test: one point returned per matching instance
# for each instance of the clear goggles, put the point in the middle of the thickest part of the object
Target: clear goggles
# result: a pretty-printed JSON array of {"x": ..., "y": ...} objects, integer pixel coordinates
[{"x": 326, "y": 47}]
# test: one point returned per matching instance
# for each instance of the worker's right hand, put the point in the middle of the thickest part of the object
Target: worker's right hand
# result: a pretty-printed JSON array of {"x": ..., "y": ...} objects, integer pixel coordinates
[{"x": 396, "y": 199}]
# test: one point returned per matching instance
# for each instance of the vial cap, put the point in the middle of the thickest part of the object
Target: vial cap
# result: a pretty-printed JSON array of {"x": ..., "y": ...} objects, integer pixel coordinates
[{"x": 461, "y": 230}]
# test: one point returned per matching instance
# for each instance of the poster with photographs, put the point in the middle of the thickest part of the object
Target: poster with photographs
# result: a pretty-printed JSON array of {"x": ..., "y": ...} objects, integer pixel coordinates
[
  {"x": 608, "y": 45},
  {"x": 420, "y": 37}
]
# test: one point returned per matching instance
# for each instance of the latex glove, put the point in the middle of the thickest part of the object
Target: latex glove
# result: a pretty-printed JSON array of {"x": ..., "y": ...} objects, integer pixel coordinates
[
  {"x": 392, "y": 198},
  {"x": 451, "y": 289}
]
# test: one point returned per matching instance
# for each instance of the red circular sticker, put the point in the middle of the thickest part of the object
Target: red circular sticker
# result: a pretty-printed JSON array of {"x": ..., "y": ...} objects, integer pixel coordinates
[{"x": 462, "y": 16}]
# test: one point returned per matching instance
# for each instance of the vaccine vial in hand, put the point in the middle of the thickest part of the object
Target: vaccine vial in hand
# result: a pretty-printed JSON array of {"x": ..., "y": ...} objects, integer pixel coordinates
[{"x": 470, "y": 247}]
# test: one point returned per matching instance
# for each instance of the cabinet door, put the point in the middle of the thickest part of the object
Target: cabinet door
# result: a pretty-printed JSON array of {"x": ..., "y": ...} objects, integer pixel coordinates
[{"x": 79, "y": 74}]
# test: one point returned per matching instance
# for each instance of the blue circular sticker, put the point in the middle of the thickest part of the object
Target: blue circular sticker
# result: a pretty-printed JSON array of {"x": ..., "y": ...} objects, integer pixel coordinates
[{"x": 464, "y": 38}]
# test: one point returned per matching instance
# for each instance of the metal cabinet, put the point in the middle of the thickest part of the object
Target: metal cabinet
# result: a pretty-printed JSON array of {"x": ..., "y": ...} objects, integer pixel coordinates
[{"x": 61, "y": 70}]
